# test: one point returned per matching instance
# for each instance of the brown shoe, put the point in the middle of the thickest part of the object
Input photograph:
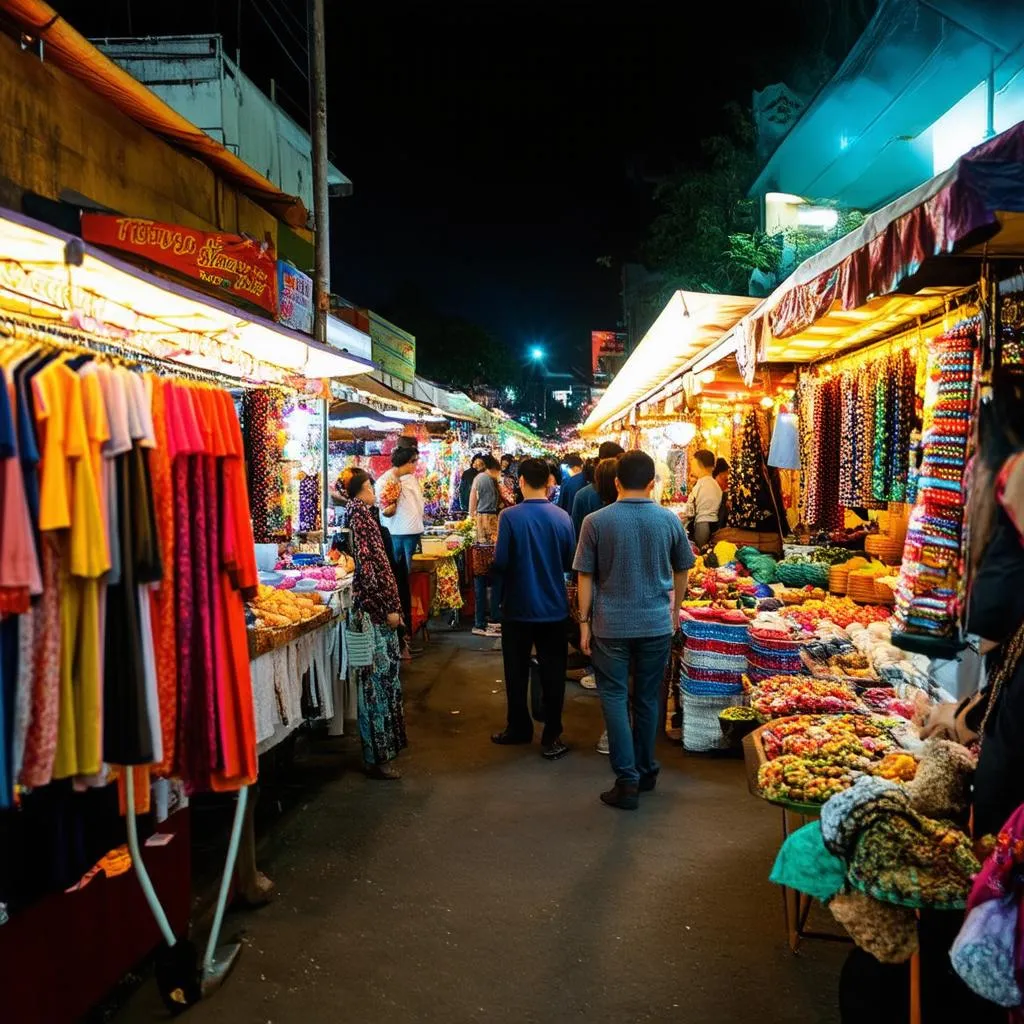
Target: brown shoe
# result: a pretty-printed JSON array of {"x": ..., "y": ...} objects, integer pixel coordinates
[
  {"x": 625, "y": 798},
  {"x": 386, "y": 772}
]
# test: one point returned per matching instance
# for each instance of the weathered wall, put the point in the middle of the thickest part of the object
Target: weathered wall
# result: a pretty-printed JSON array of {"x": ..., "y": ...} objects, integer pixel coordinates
[{"x": 58, "y": 137}]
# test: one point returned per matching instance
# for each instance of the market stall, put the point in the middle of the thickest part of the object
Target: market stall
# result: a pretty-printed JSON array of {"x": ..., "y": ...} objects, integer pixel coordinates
[
  {"x": 844, "y": 636},
  {"x": 133, "y": 680}
]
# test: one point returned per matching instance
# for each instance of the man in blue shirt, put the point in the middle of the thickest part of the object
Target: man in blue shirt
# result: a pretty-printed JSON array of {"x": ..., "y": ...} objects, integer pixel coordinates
[
  {"x": 587, "y": 499},
  {"x": 533, "y": 554},
  {"x": 573, "y": 482},
  {"x": 632, "y": 554}
]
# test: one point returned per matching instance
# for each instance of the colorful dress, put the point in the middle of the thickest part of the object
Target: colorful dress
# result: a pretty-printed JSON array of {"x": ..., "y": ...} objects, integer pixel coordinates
[{"x": 381, "y": 713}]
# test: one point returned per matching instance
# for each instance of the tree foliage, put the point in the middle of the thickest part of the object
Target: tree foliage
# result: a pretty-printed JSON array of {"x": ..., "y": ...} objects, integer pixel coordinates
[{"x": 701, "y": 206}]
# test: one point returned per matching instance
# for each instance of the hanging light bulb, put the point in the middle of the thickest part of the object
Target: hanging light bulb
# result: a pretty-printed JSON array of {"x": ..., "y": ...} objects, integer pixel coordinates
[{"x": 767, "y": 402}]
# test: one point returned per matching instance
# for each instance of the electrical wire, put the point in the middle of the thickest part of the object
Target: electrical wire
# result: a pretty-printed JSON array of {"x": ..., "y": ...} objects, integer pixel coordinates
[
  {"x": 270, "y": 28},
  {"x": 286, "y": 13},
  {"x": 301, "y": 38}
]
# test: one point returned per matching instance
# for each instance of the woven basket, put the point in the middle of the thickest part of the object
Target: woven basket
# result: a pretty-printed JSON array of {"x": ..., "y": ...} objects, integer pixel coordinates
[
  {"x": 885, "y": 547},
  {"x": 862, "y": 588},
  {"x": 700, "y": 663},
  {"x": 725, "y": 632},
  {"x": 838, "y": 578},
  {"x": 701, "y": 731}
]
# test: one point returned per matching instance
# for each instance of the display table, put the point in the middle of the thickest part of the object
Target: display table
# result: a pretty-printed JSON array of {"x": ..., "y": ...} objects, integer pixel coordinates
[{"x": 296, "y": 677}]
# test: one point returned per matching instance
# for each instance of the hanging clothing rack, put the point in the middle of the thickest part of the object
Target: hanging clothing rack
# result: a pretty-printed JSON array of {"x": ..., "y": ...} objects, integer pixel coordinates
[{"x": 74, "y": 338}]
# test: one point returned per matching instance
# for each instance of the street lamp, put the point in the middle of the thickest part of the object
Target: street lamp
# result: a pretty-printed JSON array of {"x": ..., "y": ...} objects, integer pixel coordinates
[{"x": 537, "y": 355}]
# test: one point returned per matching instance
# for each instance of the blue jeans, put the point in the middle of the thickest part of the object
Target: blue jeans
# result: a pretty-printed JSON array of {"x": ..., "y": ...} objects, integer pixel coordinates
[
  {"x": 631, "y": 748},
  {"x": 480, "y": 584},
  {"x": 405, "y": 547}
]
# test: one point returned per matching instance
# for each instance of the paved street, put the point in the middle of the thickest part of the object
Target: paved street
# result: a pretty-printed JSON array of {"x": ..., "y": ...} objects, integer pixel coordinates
[{"x": 489, "y": 885}]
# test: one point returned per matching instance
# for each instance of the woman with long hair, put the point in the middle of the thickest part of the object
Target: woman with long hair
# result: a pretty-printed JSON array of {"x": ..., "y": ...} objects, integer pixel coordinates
[{"x": 375, "y": 594}]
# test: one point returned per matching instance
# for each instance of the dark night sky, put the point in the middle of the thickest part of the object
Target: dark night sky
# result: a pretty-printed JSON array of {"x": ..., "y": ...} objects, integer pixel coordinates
[{"x": 498, "y": 149}]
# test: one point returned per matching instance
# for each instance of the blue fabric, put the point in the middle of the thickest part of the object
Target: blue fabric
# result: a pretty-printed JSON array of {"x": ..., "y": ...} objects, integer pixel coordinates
[
  {"x": 570, "y": 488},
  {"x": 585, "y": 502},
  {"x": 533, "y": 554},
  {"x": 29, "y": 449},
  {"x": 633, "y": 547},
  {"x": 8, "y": 439},
  {"x": 804, "y": 863},
  {"x": 480, "y": 609},
  {"x": 631, "y": 747},
  {"x": 405, "y": 547}
]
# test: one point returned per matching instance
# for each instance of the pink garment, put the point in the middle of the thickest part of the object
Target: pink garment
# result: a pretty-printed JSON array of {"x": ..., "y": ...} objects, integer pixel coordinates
[
  {"x": 41, "y": 740},
  {"x": 19, "y": 563},
  {"x": 996, "y": 880}
]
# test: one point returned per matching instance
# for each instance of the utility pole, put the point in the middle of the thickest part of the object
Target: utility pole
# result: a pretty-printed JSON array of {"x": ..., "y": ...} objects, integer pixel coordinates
[{"x": 318, "y": 134}]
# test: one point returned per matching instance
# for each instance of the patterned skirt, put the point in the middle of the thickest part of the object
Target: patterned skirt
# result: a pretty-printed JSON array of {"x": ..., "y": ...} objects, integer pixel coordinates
[{"x": 381, "y": 712}]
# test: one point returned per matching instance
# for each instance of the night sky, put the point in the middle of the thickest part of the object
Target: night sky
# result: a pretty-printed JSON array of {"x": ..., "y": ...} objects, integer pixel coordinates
[{"x": 499, "y": 149}]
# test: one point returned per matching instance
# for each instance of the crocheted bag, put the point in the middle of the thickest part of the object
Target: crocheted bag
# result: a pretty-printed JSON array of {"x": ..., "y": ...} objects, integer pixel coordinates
[{"x": 983, "y": 953}]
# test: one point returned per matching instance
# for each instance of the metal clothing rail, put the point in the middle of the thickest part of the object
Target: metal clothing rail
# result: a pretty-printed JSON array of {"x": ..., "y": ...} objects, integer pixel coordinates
[{"x": 77, "y": 339}]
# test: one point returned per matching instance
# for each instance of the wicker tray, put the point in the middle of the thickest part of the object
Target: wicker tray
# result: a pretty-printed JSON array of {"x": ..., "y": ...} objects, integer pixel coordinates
[
  {"x": 264, "y": 640},
  {"x": 753, "y": 758}
]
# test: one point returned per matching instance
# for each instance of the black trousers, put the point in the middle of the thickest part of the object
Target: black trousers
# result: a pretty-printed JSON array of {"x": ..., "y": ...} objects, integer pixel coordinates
[{"x": 518, "y": 640}]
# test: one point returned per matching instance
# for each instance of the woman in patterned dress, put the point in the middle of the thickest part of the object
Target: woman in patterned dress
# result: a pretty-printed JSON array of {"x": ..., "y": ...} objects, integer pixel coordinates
[{"x": 375, "y": 593}]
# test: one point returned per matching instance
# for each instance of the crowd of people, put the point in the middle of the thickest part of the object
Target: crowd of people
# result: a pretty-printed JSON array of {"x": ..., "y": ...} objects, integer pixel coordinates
[{"x": 574, "y": 557}]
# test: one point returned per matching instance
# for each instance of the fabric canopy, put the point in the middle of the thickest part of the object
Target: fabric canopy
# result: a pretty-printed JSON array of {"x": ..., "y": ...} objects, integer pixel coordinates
[
  {"x": 686, "y": 326},
  {"x": 75, "y": 55},
  {"x": 972, "y": 207}
]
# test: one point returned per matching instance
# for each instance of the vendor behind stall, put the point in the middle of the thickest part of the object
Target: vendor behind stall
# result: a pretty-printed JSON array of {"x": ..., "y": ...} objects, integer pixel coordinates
[{"x": 705, "y": 501}]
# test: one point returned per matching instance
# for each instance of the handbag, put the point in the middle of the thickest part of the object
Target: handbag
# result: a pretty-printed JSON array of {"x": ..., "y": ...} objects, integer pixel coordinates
[
  {"x": 482, "y": 559},
  {"x": 984, "y": 952},
  {"x": 359, "y": 640}
]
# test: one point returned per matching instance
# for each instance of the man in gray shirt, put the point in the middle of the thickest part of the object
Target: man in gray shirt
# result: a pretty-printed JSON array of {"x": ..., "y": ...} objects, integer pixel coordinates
[
  {"x": 484, "y": 505},
  {"x": 632, "y": 555}
]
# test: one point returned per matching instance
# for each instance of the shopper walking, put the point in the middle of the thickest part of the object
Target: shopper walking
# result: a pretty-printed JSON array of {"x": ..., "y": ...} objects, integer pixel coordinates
[
  {"x": 572, "y": 484},
  {"x": 401, "y": 502},
  {"x": 534, "y": 552},
  {"x": 604, "y": 484},
  {"x": 704, "y": 503},
  {"x": 380, "y": 711},
  {"x": 588, "y": 500},
  {"x": 632, "y": 556},
  {"x": 485, "y": 502}
]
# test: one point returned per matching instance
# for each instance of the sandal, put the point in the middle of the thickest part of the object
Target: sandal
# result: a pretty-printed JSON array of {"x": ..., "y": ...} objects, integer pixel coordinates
[{"x": 386, "y": 772}]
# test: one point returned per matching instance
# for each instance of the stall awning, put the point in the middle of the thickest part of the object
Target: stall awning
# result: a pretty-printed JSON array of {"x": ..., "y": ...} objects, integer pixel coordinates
[
  {"x": 47, "y": 274},
  {"x": 76, "y": 56},
  {"x": 896, "y": 267},
  {"x": 688, "y": 324},
  {"x": 454, "y": 404},
  {"x": 369, "y": 391}
]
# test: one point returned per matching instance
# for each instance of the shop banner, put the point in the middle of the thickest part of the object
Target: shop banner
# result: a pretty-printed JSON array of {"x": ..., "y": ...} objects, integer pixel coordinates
[
  {"x": 606, "y": 346},
  {"x": 244, "y": 268},
  {"x": 294, "y": 297},
  {"x": 394, "y": 350}
]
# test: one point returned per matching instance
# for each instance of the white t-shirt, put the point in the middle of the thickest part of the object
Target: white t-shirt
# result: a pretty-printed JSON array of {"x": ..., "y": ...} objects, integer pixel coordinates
[
  {"x": 408, "y": 517},
  {"x": 704, "y": 501}
]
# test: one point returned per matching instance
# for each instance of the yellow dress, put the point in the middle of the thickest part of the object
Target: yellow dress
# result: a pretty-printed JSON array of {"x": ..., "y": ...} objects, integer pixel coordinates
[{"x": 70, "y": 497}]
